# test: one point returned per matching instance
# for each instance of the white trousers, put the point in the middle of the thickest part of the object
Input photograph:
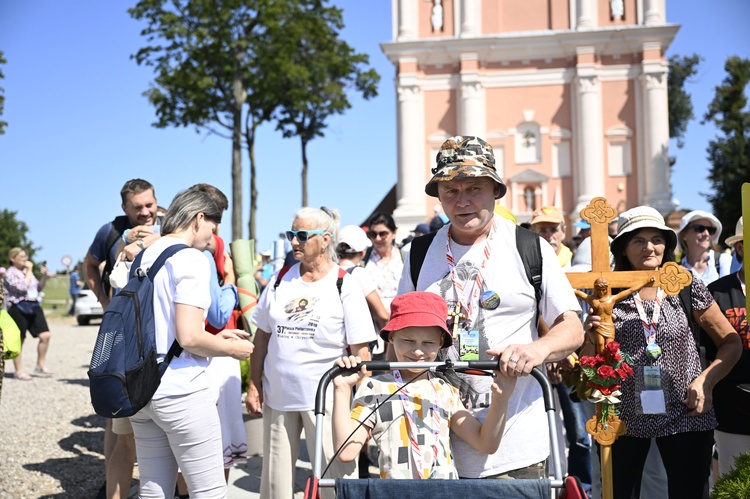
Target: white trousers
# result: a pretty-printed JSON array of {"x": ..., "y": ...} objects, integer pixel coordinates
[
  {"x": 730, "y": 446},
  {"x": 180, "y": 432},
  {"x": 281, "y": 444}
]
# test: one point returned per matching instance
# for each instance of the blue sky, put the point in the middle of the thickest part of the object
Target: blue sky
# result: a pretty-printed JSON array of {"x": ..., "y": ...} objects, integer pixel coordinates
[{"x": 79, "y": 126}]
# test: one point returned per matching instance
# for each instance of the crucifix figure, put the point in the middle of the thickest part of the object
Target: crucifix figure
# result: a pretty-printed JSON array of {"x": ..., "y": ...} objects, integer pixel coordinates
[
  {"x": 670, "y": 277},
  {"x": 457, "y": 316}
]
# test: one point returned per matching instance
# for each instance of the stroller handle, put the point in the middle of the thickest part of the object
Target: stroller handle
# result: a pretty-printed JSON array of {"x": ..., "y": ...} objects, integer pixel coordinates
[{"x": 377, "y": 365}]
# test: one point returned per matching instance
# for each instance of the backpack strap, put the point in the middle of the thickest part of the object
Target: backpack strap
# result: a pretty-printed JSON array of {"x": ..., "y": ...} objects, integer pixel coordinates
[
  {"x": 417, "y": 254},
  {"x": 530, "y": 250},
  {"x": 368, "y": 254},
  {"x": 282, "y": 273},
  {"x": 686, "y": 301},
  {"x": 119, "y": 224}
]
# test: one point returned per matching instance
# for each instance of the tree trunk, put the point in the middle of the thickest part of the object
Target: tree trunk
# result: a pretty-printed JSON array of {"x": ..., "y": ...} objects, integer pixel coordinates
[
  {"x": 304, "y": 172},
  {"x": 236, "y": 175},
  {"x": 251, "y": 126}
]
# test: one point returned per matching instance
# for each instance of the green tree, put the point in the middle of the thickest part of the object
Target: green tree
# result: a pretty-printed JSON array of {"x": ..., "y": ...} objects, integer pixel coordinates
[
  {"x": 3, "y": 124},
  {"x": 13, "y": 234},
  {"x": 320, "y": 69},
  {"x": 729, "y": 152},
  {"x": 681, "y": 69},
  {"x": 215, "y": 65}
]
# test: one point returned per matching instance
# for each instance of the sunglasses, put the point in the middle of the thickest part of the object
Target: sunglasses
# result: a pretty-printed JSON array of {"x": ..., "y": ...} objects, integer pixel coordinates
[
  {"x": 303, "y": 235},
  {"x": 698, "y": 228},
  {"x": 375, "y": 235}
]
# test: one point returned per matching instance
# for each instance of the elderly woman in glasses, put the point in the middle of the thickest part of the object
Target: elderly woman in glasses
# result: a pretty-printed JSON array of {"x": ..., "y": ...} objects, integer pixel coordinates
[
  {"x": 698, "y": 235},
  {"x": 307, "y": 317}
]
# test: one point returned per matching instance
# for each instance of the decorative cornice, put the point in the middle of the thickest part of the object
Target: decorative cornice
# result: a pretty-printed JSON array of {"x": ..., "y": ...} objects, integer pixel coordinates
[{"x": 532, "y": 45}]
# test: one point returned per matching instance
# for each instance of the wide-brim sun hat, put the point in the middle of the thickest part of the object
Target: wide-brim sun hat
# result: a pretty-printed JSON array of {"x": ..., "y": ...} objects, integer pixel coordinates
[
  {"x": 418, "y": 309},
  {"x": 637, "y": 218},
  {"x": 697, "y": 215},
  {"x": 464, "y": 157},
  {"x": 354, "y": 237},
  {"x": 738, "y": 234}
]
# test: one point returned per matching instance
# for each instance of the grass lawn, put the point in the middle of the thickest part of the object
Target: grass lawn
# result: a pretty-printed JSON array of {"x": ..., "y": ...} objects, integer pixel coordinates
[{"x": 56, "y": 296}]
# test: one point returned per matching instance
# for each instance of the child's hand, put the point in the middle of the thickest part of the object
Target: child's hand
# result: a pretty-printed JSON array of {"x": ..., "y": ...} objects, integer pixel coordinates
[
  {"x": 503, "y": 385},
  {"x": 349, "y": 380}
]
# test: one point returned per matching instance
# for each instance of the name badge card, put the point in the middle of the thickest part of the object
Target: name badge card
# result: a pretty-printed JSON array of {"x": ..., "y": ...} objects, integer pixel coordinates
[{"x": 652, "y": 397}]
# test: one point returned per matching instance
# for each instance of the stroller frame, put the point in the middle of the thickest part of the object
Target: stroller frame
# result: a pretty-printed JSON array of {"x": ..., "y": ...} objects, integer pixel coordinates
[{"x": 381, "y": 366}]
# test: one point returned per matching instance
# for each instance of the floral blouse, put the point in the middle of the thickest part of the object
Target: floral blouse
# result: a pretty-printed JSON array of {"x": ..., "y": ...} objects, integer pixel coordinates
[
  {"x": 17, "y": 288},
  {"x": 679, "y": 363}
]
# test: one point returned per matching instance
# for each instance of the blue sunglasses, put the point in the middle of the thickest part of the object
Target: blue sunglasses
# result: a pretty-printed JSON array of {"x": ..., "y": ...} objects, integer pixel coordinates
[{"x": 303, "y": 235}]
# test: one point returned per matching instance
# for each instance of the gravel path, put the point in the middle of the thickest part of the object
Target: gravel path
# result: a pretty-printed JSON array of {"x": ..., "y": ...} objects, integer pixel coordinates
[{"x": 51, "y": 441}]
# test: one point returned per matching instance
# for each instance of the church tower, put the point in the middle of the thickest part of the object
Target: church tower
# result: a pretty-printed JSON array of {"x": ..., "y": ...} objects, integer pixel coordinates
[{"x": 571, "y": 94}]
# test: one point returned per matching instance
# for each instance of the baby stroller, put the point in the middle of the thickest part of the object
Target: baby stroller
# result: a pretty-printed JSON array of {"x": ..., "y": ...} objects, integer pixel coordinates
[{"x": 438, "y": 489}]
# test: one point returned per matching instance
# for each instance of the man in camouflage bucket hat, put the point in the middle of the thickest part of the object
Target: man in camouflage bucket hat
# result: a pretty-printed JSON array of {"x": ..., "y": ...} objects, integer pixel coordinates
[
  {"x": 463, "y": 157},
  {"x": 474, "y": 265}
]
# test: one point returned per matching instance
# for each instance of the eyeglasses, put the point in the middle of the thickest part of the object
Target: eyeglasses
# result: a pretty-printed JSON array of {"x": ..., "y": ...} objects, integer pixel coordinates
[
  {"x": 698, "y": 228},
  {"x": 303, "y": 235},
  {"x": 382, "y": 234}
]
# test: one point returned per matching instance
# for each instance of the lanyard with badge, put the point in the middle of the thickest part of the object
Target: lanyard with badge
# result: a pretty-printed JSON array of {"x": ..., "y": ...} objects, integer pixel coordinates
[
  {"x": 652, "y": 396},
  {"x": 426, "y": 461},
  {"x": 466, "y": 340}
]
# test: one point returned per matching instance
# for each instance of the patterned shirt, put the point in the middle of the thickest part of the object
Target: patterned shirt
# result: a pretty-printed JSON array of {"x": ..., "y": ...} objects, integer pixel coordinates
[
  {"x": 386, "y": 274},
  {"x": 16, "y": 286},
  {"x": 390, "y": 426},
  {"x": 679, "y": 363}
]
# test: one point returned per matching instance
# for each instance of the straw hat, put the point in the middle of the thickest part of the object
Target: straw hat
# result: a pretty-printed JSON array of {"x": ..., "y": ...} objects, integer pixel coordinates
[{"x": 738, "y": 234}]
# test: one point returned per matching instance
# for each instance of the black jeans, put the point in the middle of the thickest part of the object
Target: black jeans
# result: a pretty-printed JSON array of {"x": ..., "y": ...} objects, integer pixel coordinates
[{"x": 686, "y": 457}]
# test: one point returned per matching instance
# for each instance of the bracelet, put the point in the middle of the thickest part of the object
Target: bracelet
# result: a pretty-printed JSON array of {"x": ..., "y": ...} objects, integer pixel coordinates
[
  {"x": 140, "y": 244},
  {"x": 125, "y": 236}
]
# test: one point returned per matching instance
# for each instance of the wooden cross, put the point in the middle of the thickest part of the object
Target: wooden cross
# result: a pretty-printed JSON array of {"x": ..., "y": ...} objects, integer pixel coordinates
[
  {"x": 457, "y": 316},
  {"x": 670, "y": 277}
]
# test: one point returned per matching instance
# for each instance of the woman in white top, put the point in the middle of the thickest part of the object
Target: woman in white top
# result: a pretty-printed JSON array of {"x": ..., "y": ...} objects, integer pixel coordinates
[
  {"x": 385, "y": 263},
  {"x": 180, "y": 426},
  {"x": 699, "y": 233},
  {"x": 307, "y": 317}
]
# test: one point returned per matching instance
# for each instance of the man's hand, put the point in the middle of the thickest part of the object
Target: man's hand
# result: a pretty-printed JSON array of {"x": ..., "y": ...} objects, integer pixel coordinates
[
  {"x": 519, "y": 360},
  {"x": 138, "y": 232}
]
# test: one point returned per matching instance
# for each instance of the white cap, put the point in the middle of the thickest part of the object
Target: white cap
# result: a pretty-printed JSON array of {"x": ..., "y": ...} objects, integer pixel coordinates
[
  {"x": 738, "y": 234},
  {"x": 265, "y": 253},
  {"x": 354, "y": 237}
]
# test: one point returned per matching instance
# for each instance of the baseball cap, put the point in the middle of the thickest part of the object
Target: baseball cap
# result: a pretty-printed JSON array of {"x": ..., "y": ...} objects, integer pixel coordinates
[
  {"x": 464, "y": 157},
  {"x": 423, "y": 228},
  {"x": 546, "y": 214},
  {"x": 418, "y": 308},
  {"x": 637, "y": 218},
  {"x": 354, "y": 237},
  {"x": 738, "y": 234}
]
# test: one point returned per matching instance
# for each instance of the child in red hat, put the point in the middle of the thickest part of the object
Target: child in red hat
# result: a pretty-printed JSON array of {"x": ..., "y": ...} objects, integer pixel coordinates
[{"x": 412, "y": 428}]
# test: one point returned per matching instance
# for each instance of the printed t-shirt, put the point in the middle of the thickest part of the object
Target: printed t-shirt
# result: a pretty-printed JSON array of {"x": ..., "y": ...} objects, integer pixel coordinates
[
  {"x": 184, "y": 279},
  {"x": 389, "y": 424},
  {"x": 526, "y": 438},
  {"x": 308, "y": 332}
]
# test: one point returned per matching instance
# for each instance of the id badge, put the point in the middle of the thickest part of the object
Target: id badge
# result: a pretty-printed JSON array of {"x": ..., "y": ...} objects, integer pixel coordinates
[
  {"x": 652, "y": 397},
  {"x": 468, "y": 345}
]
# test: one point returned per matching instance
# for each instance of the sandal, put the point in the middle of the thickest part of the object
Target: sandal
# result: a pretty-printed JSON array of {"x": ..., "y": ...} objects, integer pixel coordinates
[
  {"x": 42, "y": 372},
  {"x": 22, "y": 376}
]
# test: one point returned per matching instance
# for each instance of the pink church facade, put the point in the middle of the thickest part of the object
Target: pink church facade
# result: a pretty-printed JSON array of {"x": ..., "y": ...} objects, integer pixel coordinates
[{"x": 571, "y": 94}]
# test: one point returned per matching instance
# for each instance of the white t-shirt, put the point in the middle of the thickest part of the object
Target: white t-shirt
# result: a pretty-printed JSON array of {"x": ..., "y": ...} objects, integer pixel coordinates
[
  {"x": 526, "y": 437},
  {"x": 309, "y": 331},
  {"x": 184, "y": 278},
  {"x": 362, "y": 276}
]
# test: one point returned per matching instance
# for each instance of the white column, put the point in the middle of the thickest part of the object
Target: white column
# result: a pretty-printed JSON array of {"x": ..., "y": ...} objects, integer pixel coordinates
[
  {"x": 408, "y": 15},
  {"x": 589, "y": 171},
  {"x": 585, "y": 14},
  {"x": 410, "y": 208},
  {"x": 656, "y": 170},
  {"x": 653, "y": 12},
  {"x": 472, "y": 117},
  {"x": 471, "y": 17}
]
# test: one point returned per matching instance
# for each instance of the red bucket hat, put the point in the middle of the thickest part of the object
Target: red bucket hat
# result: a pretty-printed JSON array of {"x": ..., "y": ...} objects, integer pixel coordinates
[{"x": 418, "y": 308}]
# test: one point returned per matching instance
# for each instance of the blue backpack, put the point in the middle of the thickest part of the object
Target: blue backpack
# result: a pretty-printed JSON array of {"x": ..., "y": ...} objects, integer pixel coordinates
[{"x": 124, "y": 373}]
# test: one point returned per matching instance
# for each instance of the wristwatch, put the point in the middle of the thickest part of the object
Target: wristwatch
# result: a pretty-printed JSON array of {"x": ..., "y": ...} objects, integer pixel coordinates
[{"x": 140, "y": 244}]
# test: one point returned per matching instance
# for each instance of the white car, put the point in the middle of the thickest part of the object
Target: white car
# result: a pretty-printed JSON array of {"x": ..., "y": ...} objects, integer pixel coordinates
[{"x": 87, "y": 307}]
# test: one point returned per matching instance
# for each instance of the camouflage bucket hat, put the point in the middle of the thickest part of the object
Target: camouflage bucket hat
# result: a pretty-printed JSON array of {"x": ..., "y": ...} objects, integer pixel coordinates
[{"x": 462, "y": 157}]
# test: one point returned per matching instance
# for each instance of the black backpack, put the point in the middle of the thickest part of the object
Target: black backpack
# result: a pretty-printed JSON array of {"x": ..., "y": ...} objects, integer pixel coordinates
[
  {"x": 527, "y": 244},
  {"x": 124, "y": 373}
]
